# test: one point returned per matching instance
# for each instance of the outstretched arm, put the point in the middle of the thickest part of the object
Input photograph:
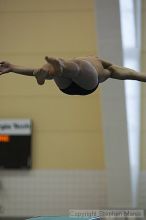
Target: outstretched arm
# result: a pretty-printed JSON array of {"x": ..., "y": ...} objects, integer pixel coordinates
[
  {"x": 53, "y": 67},
  {"x": 6, "y": 67},
  {"x": 45, "y": 72}
]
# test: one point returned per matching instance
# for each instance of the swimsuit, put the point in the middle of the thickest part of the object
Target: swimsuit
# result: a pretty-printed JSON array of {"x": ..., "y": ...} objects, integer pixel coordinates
[{"x": 74, "y": 89}]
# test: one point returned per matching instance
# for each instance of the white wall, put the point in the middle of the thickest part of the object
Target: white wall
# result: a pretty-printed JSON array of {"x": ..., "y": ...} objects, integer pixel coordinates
[
  {"x": 51, "y": 192},
  {"x": 113, "y": 107}
]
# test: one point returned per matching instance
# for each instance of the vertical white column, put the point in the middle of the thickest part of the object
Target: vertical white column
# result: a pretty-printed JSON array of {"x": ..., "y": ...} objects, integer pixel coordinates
[
  {"x": 113, "y": 107},
  {"x": 131, "y": 23}
]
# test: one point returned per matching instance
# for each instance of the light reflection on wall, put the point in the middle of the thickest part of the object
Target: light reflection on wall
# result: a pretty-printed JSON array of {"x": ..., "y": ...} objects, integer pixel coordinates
[{"x": 130, "y": 11}]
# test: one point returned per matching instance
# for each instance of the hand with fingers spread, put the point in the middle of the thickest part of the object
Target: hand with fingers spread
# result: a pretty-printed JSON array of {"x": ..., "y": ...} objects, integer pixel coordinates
[{"x": 5, "y": 67}]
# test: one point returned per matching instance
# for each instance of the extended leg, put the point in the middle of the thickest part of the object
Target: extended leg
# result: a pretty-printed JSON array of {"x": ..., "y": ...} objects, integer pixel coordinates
[{"x": 123, "y": 73}]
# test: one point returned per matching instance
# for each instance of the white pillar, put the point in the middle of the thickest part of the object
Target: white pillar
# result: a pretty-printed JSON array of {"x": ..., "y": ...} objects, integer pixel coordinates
[
  {"x": 131, "y": 22},
  {"x": 113, "y": 107}
]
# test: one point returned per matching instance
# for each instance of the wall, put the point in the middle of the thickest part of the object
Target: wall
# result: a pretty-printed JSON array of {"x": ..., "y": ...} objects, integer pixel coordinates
[
  {"x": 143, "y": 65},
  {"x": 61, "y": 124},
  {"x": 142, "y": 178},
  {"x": 51, "y": 192},
  {"x": 67, "y": 131}
]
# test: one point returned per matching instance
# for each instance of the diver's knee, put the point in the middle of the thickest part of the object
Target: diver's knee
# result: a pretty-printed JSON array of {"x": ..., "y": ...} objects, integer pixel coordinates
[{"x": 106, "y": 74}]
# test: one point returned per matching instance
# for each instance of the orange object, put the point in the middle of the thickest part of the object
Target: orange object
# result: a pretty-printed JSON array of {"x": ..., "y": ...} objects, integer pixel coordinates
[{"x": 4, "y": 138}]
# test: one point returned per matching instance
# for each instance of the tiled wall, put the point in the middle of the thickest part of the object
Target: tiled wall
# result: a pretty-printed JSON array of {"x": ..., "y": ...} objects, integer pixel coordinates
[
  {"x": 142, "y": 190},
  {"x": 51, "y": 192}
]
